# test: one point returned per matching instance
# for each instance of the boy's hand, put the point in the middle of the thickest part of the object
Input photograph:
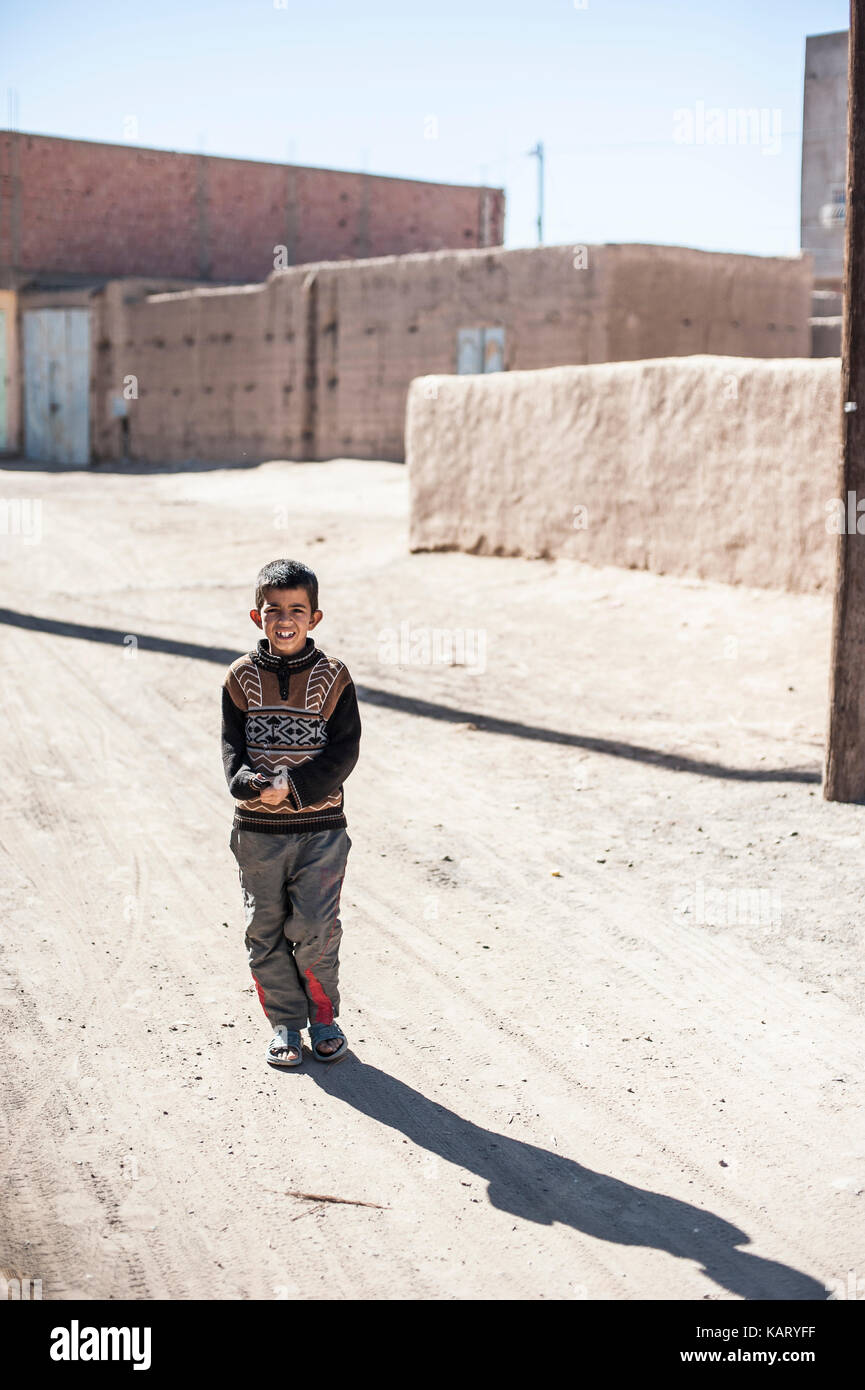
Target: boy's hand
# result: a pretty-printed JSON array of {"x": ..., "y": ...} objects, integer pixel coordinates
[{"x": 271, "y": 796}]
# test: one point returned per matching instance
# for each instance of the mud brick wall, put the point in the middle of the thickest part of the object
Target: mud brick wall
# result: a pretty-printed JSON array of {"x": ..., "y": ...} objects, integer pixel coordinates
[
  {"x": 667, "y": 301},
  {"x": 316, "y": 362},
  {"x": 380, "y": 323},
  {"x": 716, "y": 467},
  {"x": 10, "y": 417},
  {"x": 220, "y": 373}
]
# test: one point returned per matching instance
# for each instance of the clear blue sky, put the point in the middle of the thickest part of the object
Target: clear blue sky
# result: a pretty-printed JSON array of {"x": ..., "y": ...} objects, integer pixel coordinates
[{"x": 354, "y": 84}]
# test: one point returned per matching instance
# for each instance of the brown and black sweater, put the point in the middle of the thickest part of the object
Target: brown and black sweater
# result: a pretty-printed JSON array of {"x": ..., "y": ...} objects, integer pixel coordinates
[{"x": 291, "y": 714}]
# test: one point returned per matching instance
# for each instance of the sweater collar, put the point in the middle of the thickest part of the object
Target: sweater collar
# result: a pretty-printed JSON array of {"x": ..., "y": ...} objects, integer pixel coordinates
[{"x": 264, "y": 657}]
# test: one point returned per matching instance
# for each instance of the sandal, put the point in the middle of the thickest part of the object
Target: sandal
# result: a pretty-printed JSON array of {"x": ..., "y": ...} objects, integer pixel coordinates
[
  {"x": 282, "y": 1038},
  {"x": 321, "y": 1032}
]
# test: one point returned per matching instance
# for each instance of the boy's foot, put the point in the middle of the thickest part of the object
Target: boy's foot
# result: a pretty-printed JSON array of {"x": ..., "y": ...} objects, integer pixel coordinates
[
  {"x": 284, "y": 1049},
  {"x": 328, "y": 1041}
]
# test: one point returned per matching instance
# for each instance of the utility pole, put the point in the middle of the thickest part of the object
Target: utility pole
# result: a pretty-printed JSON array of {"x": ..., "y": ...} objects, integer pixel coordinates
[
  {"x": 845, "y": 745},
  {"x": 538, "y": 153}
]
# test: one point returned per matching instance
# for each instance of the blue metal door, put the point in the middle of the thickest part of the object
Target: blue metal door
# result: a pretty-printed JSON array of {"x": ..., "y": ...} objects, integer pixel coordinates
[{"x": 57, "y": 385}]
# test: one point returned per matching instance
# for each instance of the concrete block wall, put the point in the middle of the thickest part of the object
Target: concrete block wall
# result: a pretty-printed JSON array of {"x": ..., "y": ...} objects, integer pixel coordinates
[
  {"x": 716, "y": 467},
  {"x": 79, "y": 207},
  {"x": 824, "y": 154}
]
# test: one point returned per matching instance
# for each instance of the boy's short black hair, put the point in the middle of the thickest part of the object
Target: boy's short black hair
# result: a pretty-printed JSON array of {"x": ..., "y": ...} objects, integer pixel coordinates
[{"x": 286, "y": 574}]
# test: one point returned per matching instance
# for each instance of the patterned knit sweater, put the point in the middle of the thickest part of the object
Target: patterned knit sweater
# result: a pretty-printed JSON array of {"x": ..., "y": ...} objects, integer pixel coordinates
[{"x": 295, "y": 715}]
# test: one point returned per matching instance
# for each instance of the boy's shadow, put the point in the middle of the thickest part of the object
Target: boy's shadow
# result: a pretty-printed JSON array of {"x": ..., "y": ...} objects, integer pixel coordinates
[{"x": 545, "y": 1187}]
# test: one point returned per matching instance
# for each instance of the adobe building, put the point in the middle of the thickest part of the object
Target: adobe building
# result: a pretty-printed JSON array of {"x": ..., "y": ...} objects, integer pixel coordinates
[
  {"x": 824, "y": 155},
  {"x": 123, "y": 348},
  {"x": 824, "y": 182},
  {"x": 316, "y": 362},
  {"x": 76, "y": 214}
]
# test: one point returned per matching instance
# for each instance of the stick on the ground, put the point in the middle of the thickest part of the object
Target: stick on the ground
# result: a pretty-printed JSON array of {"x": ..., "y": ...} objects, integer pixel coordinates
[
  {"x": 307, "y": 1211},
  {"x": 347, "y": 1201},
  {"x": 845, "y": 744}
]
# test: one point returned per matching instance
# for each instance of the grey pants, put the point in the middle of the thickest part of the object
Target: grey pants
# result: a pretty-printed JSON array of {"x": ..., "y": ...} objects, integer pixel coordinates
[{"x": 291, "y": 886}]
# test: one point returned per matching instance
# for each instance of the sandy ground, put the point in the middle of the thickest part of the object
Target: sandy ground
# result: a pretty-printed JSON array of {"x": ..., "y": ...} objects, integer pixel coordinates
[{"x": 602, "y": 970}]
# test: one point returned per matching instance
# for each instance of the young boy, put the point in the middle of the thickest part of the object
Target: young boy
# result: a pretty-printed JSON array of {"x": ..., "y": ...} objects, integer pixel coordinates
[{"x": 290, "y": 737}]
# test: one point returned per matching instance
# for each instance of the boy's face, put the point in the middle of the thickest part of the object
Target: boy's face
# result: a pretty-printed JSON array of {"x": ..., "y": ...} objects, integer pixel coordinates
[{"x": 285, "y": 619}]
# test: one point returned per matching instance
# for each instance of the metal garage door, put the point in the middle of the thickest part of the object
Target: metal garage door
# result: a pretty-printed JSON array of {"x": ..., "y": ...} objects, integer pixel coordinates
[{"x": 56, "y": 385}]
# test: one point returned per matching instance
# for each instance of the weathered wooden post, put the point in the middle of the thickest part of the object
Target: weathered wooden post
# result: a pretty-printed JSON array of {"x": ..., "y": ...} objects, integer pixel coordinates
[{"x": 845, "y": 745}]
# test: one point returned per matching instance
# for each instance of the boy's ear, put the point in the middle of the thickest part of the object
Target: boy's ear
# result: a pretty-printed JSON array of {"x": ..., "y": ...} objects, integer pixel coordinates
[
  {"x": 316, "y": 618},
  {"x": 255, "y": 616}
]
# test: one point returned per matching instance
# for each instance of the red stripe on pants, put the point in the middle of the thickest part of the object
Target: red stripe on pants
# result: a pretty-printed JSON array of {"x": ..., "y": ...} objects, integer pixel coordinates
[
  {"x": 323, "y": 1006},
  {"x": 260, "y": 994}
]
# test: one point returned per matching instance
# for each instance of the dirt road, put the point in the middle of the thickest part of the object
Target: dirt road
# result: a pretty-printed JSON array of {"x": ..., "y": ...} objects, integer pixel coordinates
[{"x": 603, "y": 955}]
